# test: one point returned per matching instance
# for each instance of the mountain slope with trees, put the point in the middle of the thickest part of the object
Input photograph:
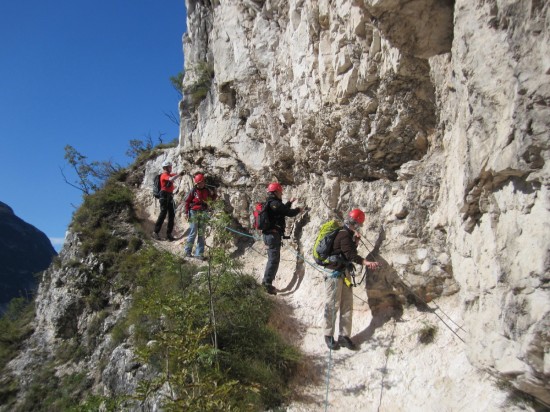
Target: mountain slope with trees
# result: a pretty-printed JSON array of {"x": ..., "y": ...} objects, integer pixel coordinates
[{"x": 25, "y": 251}]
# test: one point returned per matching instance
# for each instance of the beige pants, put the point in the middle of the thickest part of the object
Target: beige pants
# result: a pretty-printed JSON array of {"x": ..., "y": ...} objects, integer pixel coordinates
[{"x": 338, "y": 298}]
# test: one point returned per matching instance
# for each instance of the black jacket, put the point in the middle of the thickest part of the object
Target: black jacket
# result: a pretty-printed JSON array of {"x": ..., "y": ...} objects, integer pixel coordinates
[
  {"x": 346, "y": 248},
  {"x": 277, "y": 212}
]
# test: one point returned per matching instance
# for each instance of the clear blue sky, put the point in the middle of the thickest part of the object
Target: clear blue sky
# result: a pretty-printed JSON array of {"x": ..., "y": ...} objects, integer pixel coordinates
[{"x": 92, "y": 74}]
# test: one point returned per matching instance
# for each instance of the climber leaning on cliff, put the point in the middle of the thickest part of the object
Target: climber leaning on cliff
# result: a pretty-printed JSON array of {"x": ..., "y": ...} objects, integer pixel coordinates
[
  {"x": 338, "y": 296},
  {"x": 166, "y": 200},
  {"x": 277, "y": 211}
]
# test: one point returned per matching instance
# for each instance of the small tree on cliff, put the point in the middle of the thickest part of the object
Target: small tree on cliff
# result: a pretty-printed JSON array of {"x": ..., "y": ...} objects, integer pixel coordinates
[{"x": 90, "y": 176}]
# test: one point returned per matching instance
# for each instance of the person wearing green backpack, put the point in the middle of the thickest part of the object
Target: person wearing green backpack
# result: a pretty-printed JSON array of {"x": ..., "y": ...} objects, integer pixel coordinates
[{"x": 338, "y": 296}]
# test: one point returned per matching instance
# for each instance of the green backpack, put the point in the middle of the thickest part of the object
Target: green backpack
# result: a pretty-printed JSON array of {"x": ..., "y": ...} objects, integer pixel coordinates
[{"x": 322, "y": 247}]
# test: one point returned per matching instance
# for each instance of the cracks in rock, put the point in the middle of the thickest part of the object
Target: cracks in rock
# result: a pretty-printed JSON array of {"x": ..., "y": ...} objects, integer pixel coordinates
[
  {"x": 227, "y": 94},
  {"x": 425, "y": 28},
  {"x": 478, "y": 196},
  {"x": 532, "y": 156}
]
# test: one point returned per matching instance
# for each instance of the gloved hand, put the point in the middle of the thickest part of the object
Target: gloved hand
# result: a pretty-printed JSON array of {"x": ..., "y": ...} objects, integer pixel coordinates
[{"x": 371, "y": 265}]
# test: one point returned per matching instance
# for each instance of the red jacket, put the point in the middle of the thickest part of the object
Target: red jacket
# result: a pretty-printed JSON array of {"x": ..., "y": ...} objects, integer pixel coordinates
[
  {"x": 197, "y": 199},
  {"x": 167, "y": 184}
]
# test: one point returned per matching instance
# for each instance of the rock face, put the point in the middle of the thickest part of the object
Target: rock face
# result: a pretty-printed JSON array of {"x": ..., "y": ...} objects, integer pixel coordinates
[
  {"x": 24, "y": 252},
  {"x": 431, "y": 116}
]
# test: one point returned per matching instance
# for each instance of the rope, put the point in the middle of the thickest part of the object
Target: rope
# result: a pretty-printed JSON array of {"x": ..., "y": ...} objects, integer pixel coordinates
[
  {"x": 325, "y": 271},
  {"x": 432, "y": 310},
  {"x": 319, "y": 269},
  {"x": 241, "y": 233},
  {"x": 322, "y": 270},
  {"x": 313, "y": 265}
]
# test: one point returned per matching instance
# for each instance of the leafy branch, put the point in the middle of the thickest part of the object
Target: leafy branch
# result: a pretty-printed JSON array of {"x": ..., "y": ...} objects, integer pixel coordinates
[{"x": 90, "y": 176}]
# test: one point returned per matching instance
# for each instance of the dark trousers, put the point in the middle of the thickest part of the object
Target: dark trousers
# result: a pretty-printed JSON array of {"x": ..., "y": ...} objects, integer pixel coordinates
[
  {"x": 166, "y": 208},
  {"x": 273, "y": 243}
]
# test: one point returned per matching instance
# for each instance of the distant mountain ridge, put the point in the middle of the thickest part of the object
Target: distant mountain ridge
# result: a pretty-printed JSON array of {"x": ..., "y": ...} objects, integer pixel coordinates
[{"x": 24, "y": 251}]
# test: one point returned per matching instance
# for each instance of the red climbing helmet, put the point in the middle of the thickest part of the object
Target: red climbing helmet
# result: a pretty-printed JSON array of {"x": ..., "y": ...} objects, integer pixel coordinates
[
  {"x": 357, "y": 215},
  {"x": 274, "y": 187},
  {"x": 198, "y": 178}
]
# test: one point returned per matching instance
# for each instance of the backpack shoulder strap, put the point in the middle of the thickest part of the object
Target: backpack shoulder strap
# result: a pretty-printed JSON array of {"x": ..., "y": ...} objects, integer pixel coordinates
[{"x": 189, "y": 194}]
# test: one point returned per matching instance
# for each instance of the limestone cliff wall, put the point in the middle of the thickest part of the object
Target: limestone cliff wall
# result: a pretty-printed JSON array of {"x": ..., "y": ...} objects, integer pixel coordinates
[{"x": 432, "y": 116}]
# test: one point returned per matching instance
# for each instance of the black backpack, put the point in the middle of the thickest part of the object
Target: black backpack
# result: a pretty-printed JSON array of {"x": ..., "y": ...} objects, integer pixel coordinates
[{"x": 156, "y": 186}]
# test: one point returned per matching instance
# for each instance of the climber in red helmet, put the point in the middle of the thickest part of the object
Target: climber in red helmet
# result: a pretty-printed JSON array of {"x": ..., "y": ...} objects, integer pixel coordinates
[
  {"x": 272, "y": 237},
  {"x": 196, "y": 207},
  {"x": 166, "y": 200},
  {"x": 338, "y": 296}
]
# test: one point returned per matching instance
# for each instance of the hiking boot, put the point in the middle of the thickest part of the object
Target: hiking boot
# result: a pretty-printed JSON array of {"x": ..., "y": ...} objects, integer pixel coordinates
[
  {"x": 270, "y": 289},
  {"x": 170, "y": 238},
  {"x": 346, "y": 342},
  {"x": 200, "y": 257},
  {"x": 331, "y": 343},
  {"x": 188, "y": 255},
  {"x": 155, "y": 235}
]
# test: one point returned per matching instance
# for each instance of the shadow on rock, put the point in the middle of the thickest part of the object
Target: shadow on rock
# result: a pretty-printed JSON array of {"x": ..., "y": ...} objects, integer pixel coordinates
[
  {"x": 386, "y": 293},
  {"x": 311, "y": 369},
  {"x": 297, "y": 278},
  {"x": 299, "y": 272}
]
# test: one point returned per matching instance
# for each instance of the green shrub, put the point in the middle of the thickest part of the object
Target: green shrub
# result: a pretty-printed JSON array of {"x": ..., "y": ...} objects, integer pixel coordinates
[
  {"x": 74, "y": 264},
  {"x": 56, "y": 262},
  {"x": 135, "y": 244},
  {"x": 15, "y": 327},
  {"x": 8, "y": 390},
  {"x": 43, "y": 385},
  {"x": 96, "y": 240},
  {"x": 70, "y": 350},
  {"x": 204, "y": 331},
  {"x": 48, "y": 392},
  {"x": 96, "y": 403},
  {"x": 98, "y": 207},
  {"x": 145, "y": 152},
  {"x": 427, "y": 334},
  {"x": 203, "y": 326},
  {"x": 203, "y": 72},
  {"x": 119, "y": 333}
]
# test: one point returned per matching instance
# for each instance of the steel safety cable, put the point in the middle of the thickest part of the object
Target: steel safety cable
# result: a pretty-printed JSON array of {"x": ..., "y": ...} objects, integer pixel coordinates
[{"x": 437, "y": 307}]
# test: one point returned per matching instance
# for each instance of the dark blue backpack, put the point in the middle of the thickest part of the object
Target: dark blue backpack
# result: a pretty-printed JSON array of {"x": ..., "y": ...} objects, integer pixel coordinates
[{"x": 156, "y": 186}]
